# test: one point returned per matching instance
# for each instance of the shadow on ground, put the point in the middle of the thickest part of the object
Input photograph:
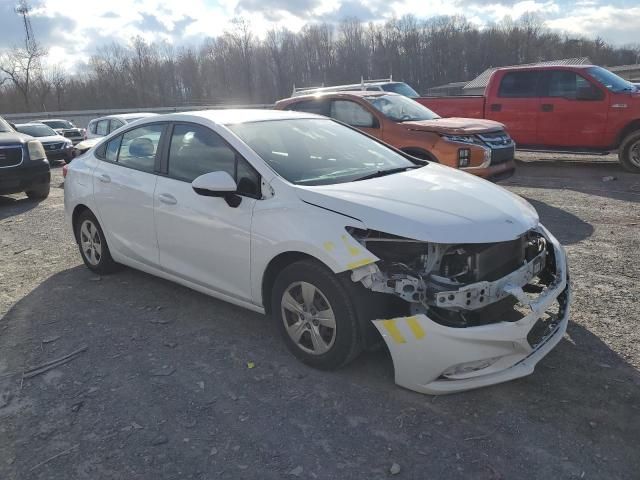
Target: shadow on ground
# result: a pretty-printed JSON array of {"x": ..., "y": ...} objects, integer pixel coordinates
[
  {"x": 568, "y": 228},
  {"x": 175, "y": 384},
  {"x": 11, "y": 206},
  {"x": 585, "y": 176}
]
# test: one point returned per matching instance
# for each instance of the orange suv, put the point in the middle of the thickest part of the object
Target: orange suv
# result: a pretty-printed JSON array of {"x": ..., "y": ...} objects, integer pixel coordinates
[{"x": 481, "y": 147}]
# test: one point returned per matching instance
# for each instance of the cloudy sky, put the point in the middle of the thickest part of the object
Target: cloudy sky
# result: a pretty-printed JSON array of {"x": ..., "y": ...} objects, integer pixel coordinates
[{"x": 73, "y": 29}]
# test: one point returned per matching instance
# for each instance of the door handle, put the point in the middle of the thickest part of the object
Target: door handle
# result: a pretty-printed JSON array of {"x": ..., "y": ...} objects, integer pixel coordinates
[
  {"x": 167, "y": 198},
  {"x": 496, "y": 107},
  {"x": 547, "y": 107},
  {"x": 104, "y": 178}
]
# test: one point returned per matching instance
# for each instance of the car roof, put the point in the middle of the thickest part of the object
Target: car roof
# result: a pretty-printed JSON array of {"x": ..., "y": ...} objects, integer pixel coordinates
[
  {"x": 338, "y": 94},
  {"x": 241, "y": 115},
  {"x": 54, "y": 120},
  {"x": 125, "y": 116},
  {"x": 31, "y": 124},
  {"x": 547, "y": 67}
]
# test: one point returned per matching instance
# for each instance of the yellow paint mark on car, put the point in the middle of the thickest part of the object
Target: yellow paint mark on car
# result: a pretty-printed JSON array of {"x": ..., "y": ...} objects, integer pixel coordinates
[
  {"x": 353, "y": 251},
  {"x": 329, "y": 246},
  {"x": 360, "y": 263},
  {"x": 392, "y": 328},
  {"x": 415, "y": 327}
]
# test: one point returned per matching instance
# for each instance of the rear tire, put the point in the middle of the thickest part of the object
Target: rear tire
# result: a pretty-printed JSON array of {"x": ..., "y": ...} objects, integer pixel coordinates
[
  {"x": 629, "y": 152},
  {"x": 93, "y": 245},
  {"x": 39, "y": 193},
  {"x": 316, "y": 316}
]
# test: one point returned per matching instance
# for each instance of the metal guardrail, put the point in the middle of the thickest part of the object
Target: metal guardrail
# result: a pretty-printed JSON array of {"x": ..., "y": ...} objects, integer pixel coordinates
[{"x": 82, "y": 117}]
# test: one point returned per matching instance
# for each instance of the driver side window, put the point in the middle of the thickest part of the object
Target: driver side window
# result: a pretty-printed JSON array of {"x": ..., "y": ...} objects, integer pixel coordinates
[
  {"x": 196, "y": 150},
  {"x": 352, "y": 114}
]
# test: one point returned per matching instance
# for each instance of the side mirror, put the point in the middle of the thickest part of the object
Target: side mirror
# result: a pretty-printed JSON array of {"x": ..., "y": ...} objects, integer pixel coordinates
[{"x": 217, "y": 184}]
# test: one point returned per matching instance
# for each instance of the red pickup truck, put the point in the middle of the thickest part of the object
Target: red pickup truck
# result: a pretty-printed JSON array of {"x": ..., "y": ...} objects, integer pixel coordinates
[{"x": 584, "y": 109}]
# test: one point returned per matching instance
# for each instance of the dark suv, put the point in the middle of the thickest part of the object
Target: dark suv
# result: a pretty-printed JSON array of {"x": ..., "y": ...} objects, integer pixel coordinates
[{"x": 23, "y": 164}]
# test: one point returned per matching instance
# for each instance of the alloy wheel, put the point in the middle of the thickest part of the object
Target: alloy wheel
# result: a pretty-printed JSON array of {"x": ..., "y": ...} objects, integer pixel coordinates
[
  {"x": 308, "y": 318},
  {"x": 634, "y": 154},
  {"x": 90, "y": 242}
]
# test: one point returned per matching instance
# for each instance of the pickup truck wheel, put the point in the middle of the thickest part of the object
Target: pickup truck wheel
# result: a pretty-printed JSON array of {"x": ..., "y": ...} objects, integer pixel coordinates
[
  {"x": 629, "y": 152},
  {"x": 316, "y": 315}
]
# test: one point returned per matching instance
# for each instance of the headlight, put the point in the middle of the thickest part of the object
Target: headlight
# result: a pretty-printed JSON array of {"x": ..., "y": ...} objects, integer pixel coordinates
[
  {"x": 68, "y": 143},
  {"x": 36, "y": 150},
  {"x": 462, "y": 139}
]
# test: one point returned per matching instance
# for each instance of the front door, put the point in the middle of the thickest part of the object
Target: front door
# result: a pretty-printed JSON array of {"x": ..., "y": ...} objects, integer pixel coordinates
[
  {"x": 124, "y": 183},
  {"x": 573, "y": 111},
  {"x": 203, "y": 239}
]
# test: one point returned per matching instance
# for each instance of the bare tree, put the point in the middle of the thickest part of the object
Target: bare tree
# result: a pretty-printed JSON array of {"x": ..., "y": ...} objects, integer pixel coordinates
[{"x": 22, "y": 66}]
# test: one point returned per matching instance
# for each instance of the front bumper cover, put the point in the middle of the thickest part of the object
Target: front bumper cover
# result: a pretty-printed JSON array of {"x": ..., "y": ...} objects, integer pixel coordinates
[{"x": 435, "y": 359}]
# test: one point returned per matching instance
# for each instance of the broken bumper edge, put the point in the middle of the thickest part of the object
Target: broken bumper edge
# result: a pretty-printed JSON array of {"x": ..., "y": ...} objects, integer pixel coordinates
[{"x": 435, "y": 359}]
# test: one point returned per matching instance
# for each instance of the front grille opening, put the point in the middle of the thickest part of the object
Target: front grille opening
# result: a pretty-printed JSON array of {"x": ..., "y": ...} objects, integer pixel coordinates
[{"x": 10, "y": 156}]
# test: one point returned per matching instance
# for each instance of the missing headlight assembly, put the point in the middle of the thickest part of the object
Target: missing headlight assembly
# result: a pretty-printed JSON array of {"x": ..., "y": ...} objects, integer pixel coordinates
[{"x": 459, "y": 285}]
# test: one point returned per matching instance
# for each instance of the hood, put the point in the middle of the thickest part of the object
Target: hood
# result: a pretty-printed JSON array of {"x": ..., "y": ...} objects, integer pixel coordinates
[
  {"x": 433, "y": 203},
  {"x": 7, "y": 138},
  {"x": 455, "y": 126},
  {"x": 51, "y": 139}
]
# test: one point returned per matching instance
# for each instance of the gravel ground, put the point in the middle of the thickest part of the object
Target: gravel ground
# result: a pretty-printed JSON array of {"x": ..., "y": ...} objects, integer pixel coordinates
[{"x": 174, "y": 384}]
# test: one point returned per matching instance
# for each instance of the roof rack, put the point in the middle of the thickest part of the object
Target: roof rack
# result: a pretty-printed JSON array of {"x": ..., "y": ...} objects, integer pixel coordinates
[
  {"x": 301, "y": 90},
  {"x": 305, "y": 89},
  {"x": 364, "y": 82}
]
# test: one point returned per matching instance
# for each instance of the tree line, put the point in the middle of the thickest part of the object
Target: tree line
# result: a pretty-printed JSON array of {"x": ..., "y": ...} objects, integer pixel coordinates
[{"x": 240, "y": 68}]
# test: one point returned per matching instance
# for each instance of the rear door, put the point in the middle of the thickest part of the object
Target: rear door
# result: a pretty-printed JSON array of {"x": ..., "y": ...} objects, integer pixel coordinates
[
  {"x": 517, "y": 105},
  {"x": 203, "y": 239},
  {"x": 124, "y": 184},
  {"x": 573, "y": 111}
]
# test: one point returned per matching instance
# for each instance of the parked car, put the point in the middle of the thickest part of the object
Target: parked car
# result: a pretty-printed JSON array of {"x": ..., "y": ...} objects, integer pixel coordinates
[
  {"x": 23, "y": 164},
  {"x": 56, "y": 146},
  {"x": 84, "y": 146},
  {"x": 583, "y": 109},
  {"x": 66, "y": 128},
  {"x": 99, "y": 127},
  {"x": 381, "y": 85},
  {"x": 335, "y": 234},
  {"x": 480, "y": 147}
]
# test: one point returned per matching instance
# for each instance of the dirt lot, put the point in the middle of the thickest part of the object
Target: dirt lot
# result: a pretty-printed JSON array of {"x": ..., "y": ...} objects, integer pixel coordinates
[{"x": 165, "y": 389}]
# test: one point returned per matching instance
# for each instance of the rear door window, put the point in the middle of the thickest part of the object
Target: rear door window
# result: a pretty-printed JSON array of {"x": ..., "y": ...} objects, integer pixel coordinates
[
  {"x": 138, "y": 147},
  {"x": 519, "y": 85},
  {"x": 102, "y": 128}
]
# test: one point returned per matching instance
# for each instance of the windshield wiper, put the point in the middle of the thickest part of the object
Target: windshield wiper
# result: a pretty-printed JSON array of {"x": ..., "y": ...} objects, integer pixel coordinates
[{"x": 390, "y": 171}]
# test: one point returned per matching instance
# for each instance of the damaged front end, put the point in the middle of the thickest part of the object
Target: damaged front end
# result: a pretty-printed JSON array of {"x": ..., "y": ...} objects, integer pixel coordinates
[{"x": 473, "y": 314}]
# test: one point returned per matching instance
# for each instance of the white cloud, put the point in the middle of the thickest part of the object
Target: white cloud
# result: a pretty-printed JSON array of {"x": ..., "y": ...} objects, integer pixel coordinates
[{"x": 74, "y": 29}]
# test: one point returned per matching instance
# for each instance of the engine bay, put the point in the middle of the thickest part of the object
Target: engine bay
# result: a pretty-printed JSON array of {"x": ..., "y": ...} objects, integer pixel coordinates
[{"x": 459, "y": 285}]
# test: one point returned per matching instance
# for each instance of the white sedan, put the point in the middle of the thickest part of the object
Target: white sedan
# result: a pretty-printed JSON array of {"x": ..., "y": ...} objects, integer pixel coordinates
[{"x": 344, "y": 240}]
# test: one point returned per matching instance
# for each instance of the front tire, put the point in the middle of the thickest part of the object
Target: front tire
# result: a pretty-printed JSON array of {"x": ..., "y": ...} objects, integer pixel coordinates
[
  {"x": 39, "y": 193},
  {"x": 629, "y": 152},
  {"x": 93, "y": 245},
  {"x": 316, "y": 316}
]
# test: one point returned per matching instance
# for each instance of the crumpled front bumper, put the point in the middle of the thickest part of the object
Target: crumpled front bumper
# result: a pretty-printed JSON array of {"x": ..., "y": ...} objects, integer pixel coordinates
[{"x": 432, "y": 358}]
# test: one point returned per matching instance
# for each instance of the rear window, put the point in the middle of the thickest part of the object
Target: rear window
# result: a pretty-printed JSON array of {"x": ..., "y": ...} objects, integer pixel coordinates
[{"x": 519, "y": 85}]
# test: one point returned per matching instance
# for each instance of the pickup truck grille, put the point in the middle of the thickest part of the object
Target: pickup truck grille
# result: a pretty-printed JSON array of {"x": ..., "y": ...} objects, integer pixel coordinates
[
  {"x": 52, "y": 146},
  {"x": 72, "y": 134},
  {"x": 10, "y": 156}
]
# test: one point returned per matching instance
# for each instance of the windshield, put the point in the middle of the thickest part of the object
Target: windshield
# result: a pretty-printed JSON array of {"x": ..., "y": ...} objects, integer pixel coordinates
[
  {"x": 59, "y": 124},
  {"x": 401, "y": 88},
  {"x": 4, "y": 126},
  {"x": 36, "y": 130},
  {"x": 400, "y": 109},
  {"x": 318, "y": 151},
  {"x": 610, "y": 80}
]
